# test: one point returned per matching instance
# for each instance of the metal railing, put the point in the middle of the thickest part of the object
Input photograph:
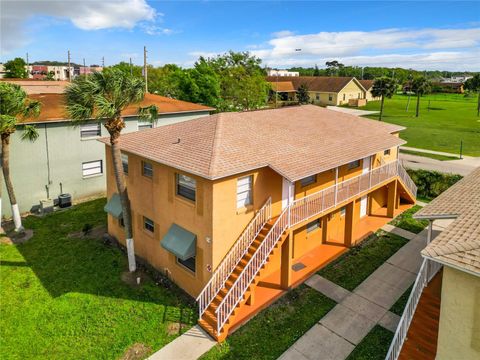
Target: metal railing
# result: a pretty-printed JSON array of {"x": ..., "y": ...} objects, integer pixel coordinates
[
  {"x": 230, "y": 261},
  {"x": 427, "y": 271},
  {"x": 298, "y": 211},
  {"x": 407, "y": 180}
]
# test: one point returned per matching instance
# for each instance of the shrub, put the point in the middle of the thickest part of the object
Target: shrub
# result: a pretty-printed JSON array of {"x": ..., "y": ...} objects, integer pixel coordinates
[{"x": 430, "y": 184}]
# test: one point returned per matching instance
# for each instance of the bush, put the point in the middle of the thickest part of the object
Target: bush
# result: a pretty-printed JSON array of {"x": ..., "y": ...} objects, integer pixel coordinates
[{"x": 430, "y": 184}]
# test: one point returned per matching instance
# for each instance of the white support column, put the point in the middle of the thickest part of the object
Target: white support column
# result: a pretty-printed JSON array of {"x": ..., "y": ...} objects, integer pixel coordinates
[
  {"x": 429, "y": 231},
  {"x": 132, "y": 266},
  {"x": 17, "y": 220},
  {"x": 336, "y": 184}
]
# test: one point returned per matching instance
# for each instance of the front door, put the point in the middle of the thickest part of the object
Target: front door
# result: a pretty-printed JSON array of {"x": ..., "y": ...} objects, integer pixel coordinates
[
  {"x": 363, "y": 206},
  {"x": 288, "y": 193}
]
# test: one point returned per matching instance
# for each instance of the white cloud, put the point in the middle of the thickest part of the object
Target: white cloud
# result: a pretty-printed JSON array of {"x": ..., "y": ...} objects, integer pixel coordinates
[
  {"x": 84, "y": 14},
  {"x": 152, "y": 29},
  {"x": 283, "y": 33},
  {"x": 416, "y": 48}
]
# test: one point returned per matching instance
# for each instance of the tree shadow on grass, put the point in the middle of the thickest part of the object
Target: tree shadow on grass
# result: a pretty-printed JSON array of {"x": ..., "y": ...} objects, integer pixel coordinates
[{"x": 64, "y": 264}]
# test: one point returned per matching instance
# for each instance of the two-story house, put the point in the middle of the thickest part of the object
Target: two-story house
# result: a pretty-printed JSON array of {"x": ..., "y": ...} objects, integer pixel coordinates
[{"x": 236, "y": 208}]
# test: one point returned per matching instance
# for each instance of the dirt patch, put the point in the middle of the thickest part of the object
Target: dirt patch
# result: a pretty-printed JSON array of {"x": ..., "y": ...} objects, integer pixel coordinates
[
  {"x": 132, "y": 278},
  {"x": 174, "y": 328},
  {"x": 16, "y": 238},
  {"x": 137, "y": 351},
  {"x": 93, "y": 233}
]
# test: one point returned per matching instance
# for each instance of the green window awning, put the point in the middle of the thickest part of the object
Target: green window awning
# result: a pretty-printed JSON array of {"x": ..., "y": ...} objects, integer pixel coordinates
[
  {"x": 180, "y": 242},
  {"x": 114, "y": 206}
]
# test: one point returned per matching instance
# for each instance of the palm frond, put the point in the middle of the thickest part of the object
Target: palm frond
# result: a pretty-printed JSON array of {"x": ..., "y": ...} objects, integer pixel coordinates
[
  {"x": 148, "y": 113},
  {"x": 30, "y": 133}
]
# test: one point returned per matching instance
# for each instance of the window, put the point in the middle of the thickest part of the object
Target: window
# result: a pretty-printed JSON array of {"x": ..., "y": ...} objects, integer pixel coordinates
[
  {"x": 186, "y": 187},
  {"x": 121, "y": 222},
  {"x": 353, "y": 164},
  {"x": 91, "y": 168},
  {"x": 330, "y": 97},
  {"x": 343, "y": 211},
  {"x": 148, "y": 224},
  {"x": 144, "y": 125},
  {"x": 317, "y": 96},
  {"x": 244, "y": 191},
  {"x": 125, "y": 163},
  {"x": 308, "y": 180},
  {"x": 189, "y": 263},
  {"x": 147, "y": 169},
  {"x": 314, "y": 225},
  {"x": 90, "y": 130},
  {"x": 386, "y": 152},
  {"x": 343, "y": 97}
]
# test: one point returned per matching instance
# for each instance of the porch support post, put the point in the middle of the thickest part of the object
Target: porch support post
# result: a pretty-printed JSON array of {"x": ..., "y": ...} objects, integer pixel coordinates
[
  {"x": 349, "y": 225},
  {"x": 286, "y": 262},
  {"x": 429, "y": 231},
  {"x": 391, "y": 198},
  {"x": 336, "y": 184}
]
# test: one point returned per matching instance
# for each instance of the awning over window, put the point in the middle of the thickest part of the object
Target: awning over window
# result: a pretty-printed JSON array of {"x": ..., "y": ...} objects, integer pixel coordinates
[
  {"x": 114, "y": 206},
  {"x": 180, "y": 242}
]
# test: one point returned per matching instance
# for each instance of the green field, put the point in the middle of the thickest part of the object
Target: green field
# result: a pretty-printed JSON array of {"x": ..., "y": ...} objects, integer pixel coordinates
[
  {"x": 62, "y": 296},
  {"x": 450, "y": 119}
]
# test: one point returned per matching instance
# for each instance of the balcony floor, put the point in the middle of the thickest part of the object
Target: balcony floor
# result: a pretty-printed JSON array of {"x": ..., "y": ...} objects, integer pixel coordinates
[{"x": 269, "y": 290}]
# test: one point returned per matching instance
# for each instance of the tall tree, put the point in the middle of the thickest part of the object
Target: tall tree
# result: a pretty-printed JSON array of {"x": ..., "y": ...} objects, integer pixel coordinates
[
  {"x": 420, "y": 86},
  {"x": 14, "y": 104},
  {"x": 103, "y": 96},
  {"x": 316, "y": 72},
  {"x": 383, "y": 87},
  {"x": 333, "y": 67},
  {"x": 16, "y": 68},
  {"x": 302, "y": 94},
  {"x": 473, "y": 85}
]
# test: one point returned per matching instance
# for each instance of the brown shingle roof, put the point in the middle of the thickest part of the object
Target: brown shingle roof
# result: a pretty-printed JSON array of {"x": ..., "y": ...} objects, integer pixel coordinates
[
  {"x": 459, "y": 244},
  {"x": 282, "y": 86},
  {"x": 367, "y": 84},
  {"x": 296, "y": 142},
  {"x": 316, "y": 83},
  {"x": 53, "y": 107}
]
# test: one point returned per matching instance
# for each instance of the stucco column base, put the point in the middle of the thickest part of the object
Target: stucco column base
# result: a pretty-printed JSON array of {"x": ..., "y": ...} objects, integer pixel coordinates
[
  {"x": 286, "y": 262},
  {"x": 132, "y": 266}
]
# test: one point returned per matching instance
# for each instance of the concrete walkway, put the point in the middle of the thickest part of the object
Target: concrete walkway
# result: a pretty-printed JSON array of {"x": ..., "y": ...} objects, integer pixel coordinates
[
  {"x": 337, "y": 333},
  {"x": 351, "y": 111}
]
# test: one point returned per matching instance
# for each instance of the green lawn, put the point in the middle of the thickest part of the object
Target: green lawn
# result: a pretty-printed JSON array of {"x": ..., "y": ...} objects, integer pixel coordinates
[
  {"x": 276, "y": 328},
  {"x": 451, "y": 119},
  {"x": 63, "y": 297},
  {"x": 407, "y": 222},
  {"x": 350, "y": 269},
  {"x": 400, "y": 304},
  {"x": 373, "y": 346},
  {"x": 431, "y": 156}
]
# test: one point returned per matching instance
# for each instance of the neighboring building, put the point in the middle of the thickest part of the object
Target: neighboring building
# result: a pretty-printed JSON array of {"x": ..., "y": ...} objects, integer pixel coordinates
[
  {"x": 67, "y": 159},
  {"x": 32, "y": 86},
  {"x": 2, "y": 71},
  {"x": 456, "y": 79},
  {"x": 368, "y": 85},
  {"x": 324, "y": 90},
  {"x": 236, "y": 208},
  {"x": 448, "y": 87},
  {"x": 274, "y": 72},
  {"x": 442, "y": 320}
]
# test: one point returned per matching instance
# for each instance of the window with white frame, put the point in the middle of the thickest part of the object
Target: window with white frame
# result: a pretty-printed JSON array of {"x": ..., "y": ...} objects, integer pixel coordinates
[
  {"x": 186, "y": 187},
  {"x": 308, "y": 180},
  {"x": 189, "y": 263},
  {"x": 330, "y": 97},
  {"x": 148, "y": 224},
  {"x": 90, "y": 130},
  {"x": 143, "y": 125},
  {"x": 91, "y": 168},
  {"x": 244, "y": 191},
  {"x": 125, "y": 163}
]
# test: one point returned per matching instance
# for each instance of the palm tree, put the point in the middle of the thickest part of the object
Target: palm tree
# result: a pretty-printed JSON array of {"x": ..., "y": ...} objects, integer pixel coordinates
[
  {"x": 14, "y": 105},
  {"x": 420, "y": 85},
  {"x": 103, "y": 96},
  {"x": 383, "y": 87}
]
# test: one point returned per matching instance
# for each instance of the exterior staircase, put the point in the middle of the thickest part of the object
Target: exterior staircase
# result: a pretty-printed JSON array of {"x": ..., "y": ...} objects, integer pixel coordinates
[{"x": 237, "y": 275}]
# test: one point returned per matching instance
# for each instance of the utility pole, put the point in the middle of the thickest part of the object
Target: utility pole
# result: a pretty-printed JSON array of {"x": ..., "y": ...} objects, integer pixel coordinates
[
  {"x": 362, "y": 72},
  {"x": 28, "y": 71},
  {"x": 69, "y": 74},
  {"x": 131, "y": 68},
  {"x": 145, "y": 68},
  {"x": 103, "y": 61},
  {"x": 84, "y": 63}
]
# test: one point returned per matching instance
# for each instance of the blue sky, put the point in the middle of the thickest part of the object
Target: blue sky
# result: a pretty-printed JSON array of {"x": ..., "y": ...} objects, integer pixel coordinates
[{"x": 421, "y": 35}]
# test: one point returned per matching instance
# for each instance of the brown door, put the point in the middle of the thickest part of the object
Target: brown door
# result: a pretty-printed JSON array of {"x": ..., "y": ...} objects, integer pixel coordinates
[{"x": 336, "y": 224}]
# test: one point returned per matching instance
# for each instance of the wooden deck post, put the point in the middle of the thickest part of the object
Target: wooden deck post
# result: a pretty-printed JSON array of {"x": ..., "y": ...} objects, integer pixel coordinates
[
  {"x": 349, "y": 225},
  {"x": 391, "y": 198},
  {"x": 286, "y": 262}
]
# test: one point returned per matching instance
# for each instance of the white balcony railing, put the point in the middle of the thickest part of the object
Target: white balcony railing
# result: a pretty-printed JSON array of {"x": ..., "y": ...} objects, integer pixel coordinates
[
  {"x": 427, "y": 271},
  {"x": 298, "y": 211},
  {"x": 230, "y": 261}
]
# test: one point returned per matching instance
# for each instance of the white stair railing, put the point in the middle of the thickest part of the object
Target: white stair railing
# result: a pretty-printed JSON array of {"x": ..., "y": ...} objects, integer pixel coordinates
[
  {"x": 427, "y": 271},
  {"x": 230, "y": 261},
  {"x": 407, "y": 180}
]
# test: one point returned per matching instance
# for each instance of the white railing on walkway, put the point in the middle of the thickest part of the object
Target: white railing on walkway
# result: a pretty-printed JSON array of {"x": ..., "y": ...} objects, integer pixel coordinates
[
  {"x": 230, "y": 261},
  {"x": 407, "y": 180},
  {"x": 427, "y": 271},
  {"x": 298, "y": 211}
]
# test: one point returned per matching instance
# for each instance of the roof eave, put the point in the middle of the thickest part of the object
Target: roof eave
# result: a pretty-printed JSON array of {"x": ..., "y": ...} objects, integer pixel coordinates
[{"x": 449, "y": 264}]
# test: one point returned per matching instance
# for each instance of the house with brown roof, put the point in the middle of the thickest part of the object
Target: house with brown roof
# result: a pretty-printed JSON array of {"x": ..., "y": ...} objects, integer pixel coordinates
[
  {"x": 323, "y": 90},
  {"x": 67, "y": 159},
  {"x": 368, "y": 85},
  {"x": 236, "y": 208},
  {"x": 442, "y": 317}
]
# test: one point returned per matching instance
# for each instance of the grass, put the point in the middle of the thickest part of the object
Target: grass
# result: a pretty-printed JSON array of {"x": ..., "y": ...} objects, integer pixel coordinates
[
  {"x": 400, "y": 304},
  {"x": 373, "y": 346},
  {"x": 63, "y": 297},
  {"x": 428, "y": 155},
  {"x": 407, "y": 222},
  {"x": 276, "y": 328},
  {"x": 350, "y": 269},
  {"x": 451, "y": 119}
]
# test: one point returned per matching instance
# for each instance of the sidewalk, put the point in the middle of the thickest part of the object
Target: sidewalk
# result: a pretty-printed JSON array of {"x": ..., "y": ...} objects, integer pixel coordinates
[{"x": 337, "y": 333}]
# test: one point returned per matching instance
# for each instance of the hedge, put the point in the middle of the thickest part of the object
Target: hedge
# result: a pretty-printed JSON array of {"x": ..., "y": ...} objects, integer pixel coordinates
[{"x": 430, "y": 184}]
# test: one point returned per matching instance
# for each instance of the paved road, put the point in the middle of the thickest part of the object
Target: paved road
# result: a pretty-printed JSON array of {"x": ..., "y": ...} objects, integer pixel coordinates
[{"x": 452, "y": 166}]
